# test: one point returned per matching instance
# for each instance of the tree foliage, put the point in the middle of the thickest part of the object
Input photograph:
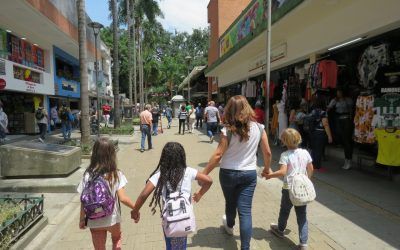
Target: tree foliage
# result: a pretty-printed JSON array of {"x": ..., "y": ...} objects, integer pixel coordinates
[{"x": 164, "y": 55}]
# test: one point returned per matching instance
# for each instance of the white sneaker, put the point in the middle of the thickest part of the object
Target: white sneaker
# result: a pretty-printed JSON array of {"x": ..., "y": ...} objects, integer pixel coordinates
[
  {"x": 212, "y": 139},
  {"x": 347, "y": 165},
  {"x": 41, "y": 140},
  {"x": 228, "y": 230}
]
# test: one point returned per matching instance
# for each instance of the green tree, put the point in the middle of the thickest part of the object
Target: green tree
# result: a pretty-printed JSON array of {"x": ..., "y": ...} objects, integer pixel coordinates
[{"x": 114, "y": 14}]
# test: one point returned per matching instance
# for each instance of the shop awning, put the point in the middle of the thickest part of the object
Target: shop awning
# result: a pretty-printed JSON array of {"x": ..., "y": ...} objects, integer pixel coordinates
[{"x": 192, "y": 75}]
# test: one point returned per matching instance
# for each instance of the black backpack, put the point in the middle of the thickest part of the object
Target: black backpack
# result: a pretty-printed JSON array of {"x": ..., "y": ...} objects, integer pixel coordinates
[{"x": 39, "y": 114}]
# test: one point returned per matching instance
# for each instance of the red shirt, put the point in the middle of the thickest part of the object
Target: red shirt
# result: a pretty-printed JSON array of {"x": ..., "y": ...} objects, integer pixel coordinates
[
  {"x": 106, "y": 109},
  {"x": 259, "y": 115},
  {"x": 328, "y": 70}
]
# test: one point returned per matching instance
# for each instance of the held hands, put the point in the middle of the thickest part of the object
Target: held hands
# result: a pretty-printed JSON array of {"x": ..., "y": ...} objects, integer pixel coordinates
[
  {"x": 197, "y": 196},
  {"x": 267, "y": 173},
  {"x": 135, "y": 215},
  {"x": 82, "y": 224}
]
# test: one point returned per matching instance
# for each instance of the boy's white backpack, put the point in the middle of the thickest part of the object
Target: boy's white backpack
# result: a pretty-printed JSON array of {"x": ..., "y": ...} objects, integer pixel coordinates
[
  {"x": 302, "y": 190},
  {"x": 177, "y": 215}
]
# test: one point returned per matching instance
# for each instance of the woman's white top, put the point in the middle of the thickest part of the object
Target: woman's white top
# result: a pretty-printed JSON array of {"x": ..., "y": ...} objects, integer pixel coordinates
[{"x": 241, "y": 155}]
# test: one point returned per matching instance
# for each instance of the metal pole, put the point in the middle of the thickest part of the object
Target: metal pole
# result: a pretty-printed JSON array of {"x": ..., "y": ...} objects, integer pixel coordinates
[
  {"x": 188, "y": 84},
  {"x": 96, "y": 68},
  {"x": 268, "y": 66}
]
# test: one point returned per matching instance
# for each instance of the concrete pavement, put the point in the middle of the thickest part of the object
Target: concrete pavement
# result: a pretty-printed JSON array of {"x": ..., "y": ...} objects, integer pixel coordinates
[{"x": 335, "y": 221}]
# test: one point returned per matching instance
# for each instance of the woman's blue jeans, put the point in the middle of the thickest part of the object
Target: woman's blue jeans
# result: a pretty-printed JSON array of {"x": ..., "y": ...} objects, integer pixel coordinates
[
  {"x": 301, "y": 214},
  {"x": 238, "y": 188}
]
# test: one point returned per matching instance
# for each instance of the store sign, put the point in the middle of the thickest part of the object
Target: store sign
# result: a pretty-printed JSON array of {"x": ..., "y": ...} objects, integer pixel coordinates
[
  {"x": 253, "y": 19},
  {"x": 30, "y": 87},
  {"x": 277, "y": 53},
  {"x": 2, "y": 84}
]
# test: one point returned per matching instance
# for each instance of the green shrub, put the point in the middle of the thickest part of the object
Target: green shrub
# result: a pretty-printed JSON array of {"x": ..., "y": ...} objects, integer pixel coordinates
[{"x": 123, "y": 130}]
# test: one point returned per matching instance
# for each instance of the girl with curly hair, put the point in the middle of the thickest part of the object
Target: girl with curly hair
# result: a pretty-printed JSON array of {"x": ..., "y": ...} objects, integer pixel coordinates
[
  {"x": 171, "y": 169},
  {"x": 237, "y": 151}
]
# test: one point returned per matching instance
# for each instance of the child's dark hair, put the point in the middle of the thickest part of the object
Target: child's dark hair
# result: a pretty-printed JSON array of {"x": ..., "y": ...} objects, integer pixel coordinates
[
  {"x": 183, "y": 108},
  {"x": 103, "y": 161},
  {"x": 172, "y": 168}
]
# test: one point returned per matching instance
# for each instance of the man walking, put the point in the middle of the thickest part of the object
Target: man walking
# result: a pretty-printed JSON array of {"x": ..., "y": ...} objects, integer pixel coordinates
[
  {"x": 155, "y": 112},
  {"x": 42, "y": 119},
  {"x": 106, "y": 108},
  {"x": 145, "y": 127},
  {"x": 212, "y": 116},
  {"x": 168, "y": 114},
  {"x": 66, "y": 118},
  {"x": 199, "y": 116}
]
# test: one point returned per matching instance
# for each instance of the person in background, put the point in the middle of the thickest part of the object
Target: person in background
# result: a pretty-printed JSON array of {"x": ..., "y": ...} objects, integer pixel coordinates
[
  {"x": 65, "y": 116},
  {"x": 221, "y": 112},
  {"x": 145, "y": 127},
  {"x": 182, "y": 119},
  {"x": 343, "y": 107},
  {"x": 321, "y": 134},
  {"x": 3, "y": 124},
  {"x": 199, "y": 116},
  {"x": 211, "y": 113},
  {"x": 106, "y": 108},
  {"x": 260, "y": 114},
  {"x": 192, "y": 117},
  {"x": 42, "y": 119},
  {"x": 54, "y": 117},
  {"x": 188, "y": 108},
  {"x": 156, "y": 115},
  {"x": 168, "y": 114}
]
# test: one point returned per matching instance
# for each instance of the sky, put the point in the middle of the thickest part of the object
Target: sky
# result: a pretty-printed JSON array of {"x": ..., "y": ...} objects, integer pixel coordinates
[{"x": 180, "y": 15}]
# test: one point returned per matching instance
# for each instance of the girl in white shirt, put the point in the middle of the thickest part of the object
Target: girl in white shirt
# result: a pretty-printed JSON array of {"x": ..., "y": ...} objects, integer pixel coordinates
[
  {"x": 171, "y": 169},
  {"x": 103, "y": 162},
  {"x": 293, "y": 161}
]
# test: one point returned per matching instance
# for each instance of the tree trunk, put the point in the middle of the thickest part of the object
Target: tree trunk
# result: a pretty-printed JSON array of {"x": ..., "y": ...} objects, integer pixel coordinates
[
  {"x": 85, "y": 134},
  {"x": 140, "y": 69},
  {"x": 135, "y": 98},
  {"x": 129, "y": 21},
  {"x": 114, "y": 14}
]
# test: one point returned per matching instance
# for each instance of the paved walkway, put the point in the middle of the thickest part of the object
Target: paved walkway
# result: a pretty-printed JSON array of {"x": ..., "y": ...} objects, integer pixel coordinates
[{"x": 336, "y": 222}]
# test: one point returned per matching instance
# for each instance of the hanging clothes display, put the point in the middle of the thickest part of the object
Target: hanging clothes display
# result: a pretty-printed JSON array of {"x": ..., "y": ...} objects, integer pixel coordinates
[
  {"x": 274, "y": 122},
  {"x": 363, "y": 126},
  {"x": 370, "y": 61},
  {"x": 282, "y": 117},
  {"x": 388, "y": 147},
  {"x": 328, "y": 71}
]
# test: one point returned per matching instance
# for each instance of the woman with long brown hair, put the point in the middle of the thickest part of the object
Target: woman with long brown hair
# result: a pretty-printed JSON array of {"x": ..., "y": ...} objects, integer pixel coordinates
[{"x": 237, "y": 151}]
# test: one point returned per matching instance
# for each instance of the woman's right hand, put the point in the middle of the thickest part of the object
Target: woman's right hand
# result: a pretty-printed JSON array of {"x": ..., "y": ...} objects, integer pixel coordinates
[
  {"x": 135, "y": 215},
  {"x": 330, "y": 140}
]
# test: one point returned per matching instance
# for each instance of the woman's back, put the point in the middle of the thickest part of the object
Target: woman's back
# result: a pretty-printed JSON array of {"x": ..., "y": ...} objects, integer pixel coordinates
[{"x": 241, "y": 155}]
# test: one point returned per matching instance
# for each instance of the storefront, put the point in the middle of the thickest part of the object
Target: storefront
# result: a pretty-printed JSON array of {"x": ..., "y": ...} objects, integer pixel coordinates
[{"x": 25, "y": 83}]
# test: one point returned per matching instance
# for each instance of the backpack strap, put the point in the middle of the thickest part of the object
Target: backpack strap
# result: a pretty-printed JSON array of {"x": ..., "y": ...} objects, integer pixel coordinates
[{"x": 169, "y": 189}]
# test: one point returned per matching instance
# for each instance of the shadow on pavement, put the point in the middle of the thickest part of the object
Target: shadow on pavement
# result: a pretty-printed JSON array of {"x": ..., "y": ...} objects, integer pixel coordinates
[{"x": 213, "y": 237}]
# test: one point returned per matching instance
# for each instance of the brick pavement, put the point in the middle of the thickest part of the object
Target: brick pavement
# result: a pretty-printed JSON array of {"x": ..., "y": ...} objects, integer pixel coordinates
[{"x": 210, "y": 235}]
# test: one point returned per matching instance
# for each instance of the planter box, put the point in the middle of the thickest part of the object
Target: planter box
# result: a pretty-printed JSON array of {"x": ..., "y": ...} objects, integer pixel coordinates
[
  {"x": 32, "y": 159},
  {"x": 31, "y": 212}
]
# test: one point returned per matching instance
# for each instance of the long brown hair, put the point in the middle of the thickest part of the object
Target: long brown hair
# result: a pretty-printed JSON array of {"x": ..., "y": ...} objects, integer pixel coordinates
[
  {"x": 103, "y": 161},
  {"x": 237, "y": 116}
]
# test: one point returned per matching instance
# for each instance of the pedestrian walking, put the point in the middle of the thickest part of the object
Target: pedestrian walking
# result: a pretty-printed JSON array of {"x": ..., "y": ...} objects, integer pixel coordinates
[
  {"x": 156, "y": 115},
  {"x": 171, "y": 183},
  {"x": 182, "y": 116},
  {"x": 145, "y": 127},
  {"x": 3, "y": 124},
  {"x": 320, "y": 133},
  {"x": 54, "y": 117},
  {"x": 260, "y": 113},
  {"x": 102, "y": 190},
  {"x": 188, "y": 108},
  {"x": 192, "y": 118},
  {"x": 294, "y": 161},
  {"x": 212, "y": 117},
  {"x": 106, "y": 108},
  {"x": 66, "y": 119},
  {"x": 168, "y": 114},
  {"x": 199, "y": 116},
  {"x": 42, "y": 119},
  {"x": 236, "y": 155}
]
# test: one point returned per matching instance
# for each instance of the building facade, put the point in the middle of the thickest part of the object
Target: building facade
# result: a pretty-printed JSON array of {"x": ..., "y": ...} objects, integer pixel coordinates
[{"x": 39, "y": 59}]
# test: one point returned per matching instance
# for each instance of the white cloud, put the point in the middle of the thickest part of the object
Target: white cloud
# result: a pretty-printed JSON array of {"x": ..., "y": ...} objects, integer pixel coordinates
[{"x": 184, "y": 15}]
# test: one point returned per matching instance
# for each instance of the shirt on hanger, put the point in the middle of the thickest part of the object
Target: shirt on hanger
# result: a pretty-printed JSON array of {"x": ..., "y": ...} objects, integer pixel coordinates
[
  {"x": 328, "y": 70},
  {"x": 388, "y": 147}
]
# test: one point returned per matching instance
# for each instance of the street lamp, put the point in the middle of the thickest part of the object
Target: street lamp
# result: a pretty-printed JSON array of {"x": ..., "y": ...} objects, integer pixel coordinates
[
  {"x": 188, "y": 59},
  {"x": 96, "y": 30}
]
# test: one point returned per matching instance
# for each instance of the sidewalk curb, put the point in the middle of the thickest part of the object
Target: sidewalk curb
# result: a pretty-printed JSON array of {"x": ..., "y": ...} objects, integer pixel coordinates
[{"x": 24, "y": 241}]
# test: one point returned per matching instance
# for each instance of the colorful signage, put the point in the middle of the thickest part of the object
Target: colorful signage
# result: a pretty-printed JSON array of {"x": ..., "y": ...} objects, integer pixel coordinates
[{"x": 253, "y": 19}]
